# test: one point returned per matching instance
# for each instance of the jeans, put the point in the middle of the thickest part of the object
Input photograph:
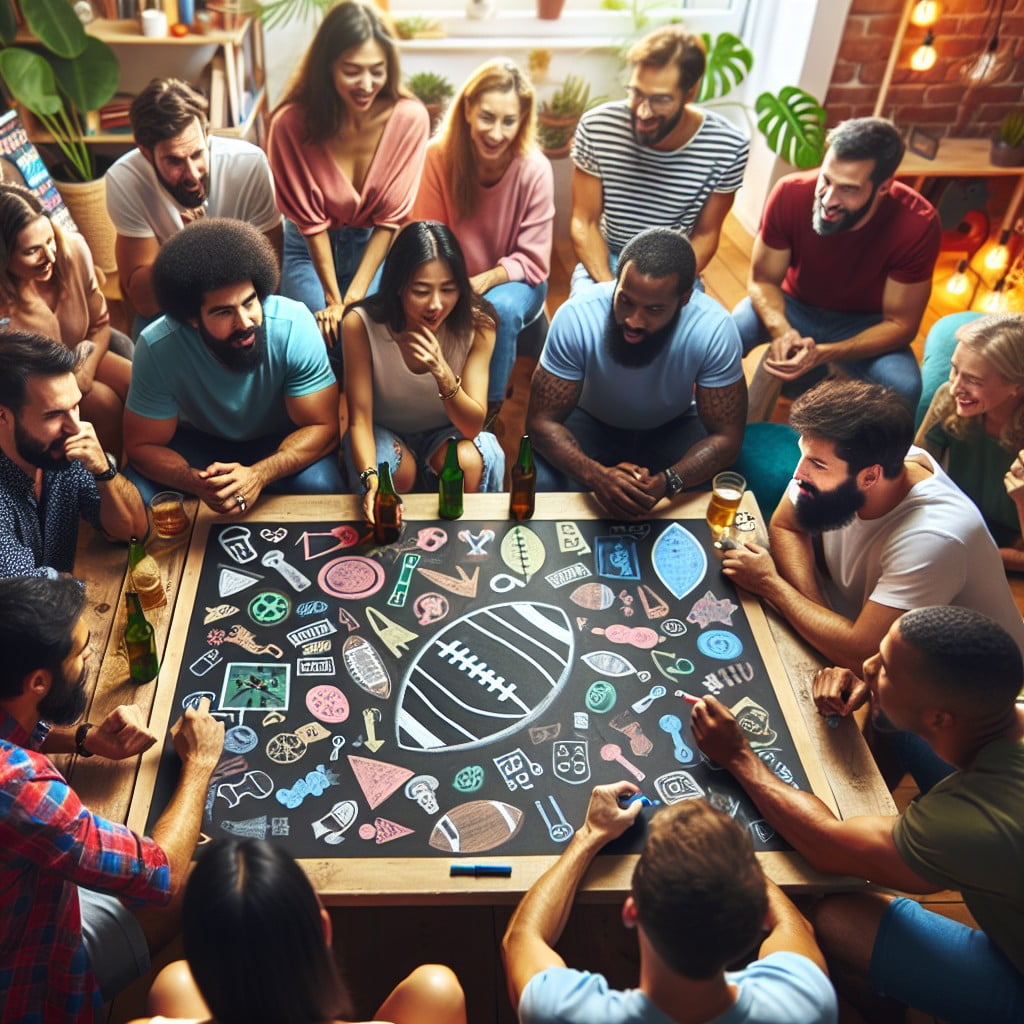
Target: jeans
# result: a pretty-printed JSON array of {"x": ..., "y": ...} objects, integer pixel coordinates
[
  {"x": 655, "y": 448},
  {"x": 199, "y": 450},
  {"x": 299, "y": 278},
  {"x": 895, "y": 370},
  {"x": 518, "y": 304}
]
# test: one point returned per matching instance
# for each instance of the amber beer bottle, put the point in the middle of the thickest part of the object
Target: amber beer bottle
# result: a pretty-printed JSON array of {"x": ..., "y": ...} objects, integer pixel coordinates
[
  {"x": 524, "y": 482},
  {"x": 144, "y": 576},
  {"x": 450, "y": 483},
  {"x": 140, "y": 641},
  {"x": 387, "y": 508}
]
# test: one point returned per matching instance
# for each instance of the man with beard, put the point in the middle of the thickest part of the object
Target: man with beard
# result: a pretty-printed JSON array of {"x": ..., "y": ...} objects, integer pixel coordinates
[
  {"x": 177, "y": 174},
  {"x": 65, "y": 948},
  {"x": 231, "y": 393},
  {"x": 841, "y": 269},
  {"x": 653, "y": 160},
  {"x": 53, "y": 470},
  {"x": 640, "y": 390}
]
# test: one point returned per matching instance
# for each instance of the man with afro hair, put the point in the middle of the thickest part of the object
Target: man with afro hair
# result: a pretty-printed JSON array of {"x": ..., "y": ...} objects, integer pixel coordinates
[{"x": 232, "y": 392}]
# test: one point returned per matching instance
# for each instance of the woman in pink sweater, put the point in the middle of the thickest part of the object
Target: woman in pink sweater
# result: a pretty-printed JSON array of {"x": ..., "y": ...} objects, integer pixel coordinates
[
  {"x": 346, "y": 147},
  {"x": 486, "y": 179}
]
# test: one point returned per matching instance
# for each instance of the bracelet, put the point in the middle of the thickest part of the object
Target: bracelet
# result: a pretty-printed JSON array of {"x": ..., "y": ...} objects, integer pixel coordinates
[
  {"x": 364, "y": 477},
  {"x": 80, "y": 733},
  {"x": 454, "y": 391}
]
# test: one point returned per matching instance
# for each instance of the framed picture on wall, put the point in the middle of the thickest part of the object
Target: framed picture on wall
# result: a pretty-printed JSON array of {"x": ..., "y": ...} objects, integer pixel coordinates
[{"x": 923, "y": 143}]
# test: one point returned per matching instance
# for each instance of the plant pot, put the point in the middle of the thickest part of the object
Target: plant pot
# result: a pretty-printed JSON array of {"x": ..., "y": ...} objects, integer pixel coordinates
[
  {"x": 550, "y": 10},
  {"x": 87, "y": 203},
  {"x": 1003, "y": 154}
]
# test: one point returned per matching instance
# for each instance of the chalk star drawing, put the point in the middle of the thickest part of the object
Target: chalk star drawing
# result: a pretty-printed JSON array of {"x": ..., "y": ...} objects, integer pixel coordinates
[{"x": 712, "y": 609}]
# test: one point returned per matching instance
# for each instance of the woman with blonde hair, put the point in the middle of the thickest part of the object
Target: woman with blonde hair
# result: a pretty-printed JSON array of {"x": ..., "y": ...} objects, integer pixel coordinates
[
  {"x": 975, "y": 426},
  {"x": 346, "y": 147},
  {"x": 48, "y": 286},
  {"x": 486, "y": 179}
]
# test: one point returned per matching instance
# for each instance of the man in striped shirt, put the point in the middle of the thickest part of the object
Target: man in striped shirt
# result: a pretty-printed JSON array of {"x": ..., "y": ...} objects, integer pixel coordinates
[{"x": 653, "y": 159}]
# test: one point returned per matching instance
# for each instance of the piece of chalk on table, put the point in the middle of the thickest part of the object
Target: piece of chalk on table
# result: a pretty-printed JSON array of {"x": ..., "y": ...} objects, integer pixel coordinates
[
  {"x": 646, "y": 801},
  {"x": 725, "y": 544},
  {"x": 481, "y": 870},
  {"x": 688, "y": 697}
]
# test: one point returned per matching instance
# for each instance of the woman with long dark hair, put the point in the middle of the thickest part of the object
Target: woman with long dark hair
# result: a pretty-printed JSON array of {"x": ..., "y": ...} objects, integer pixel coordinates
[{"x": 416, "y": 365}]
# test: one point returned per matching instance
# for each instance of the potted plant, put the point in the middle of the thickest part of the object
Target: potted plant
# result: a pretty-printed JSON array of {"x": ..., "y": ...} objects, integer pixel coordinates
[
  {"x": 415, "y": 26},
  {"x": 59, "y": 80},
  {"x": 433, "y": 91},
  {"x": 558, "y": 116},
  {"x": 1008, "y": 144}
]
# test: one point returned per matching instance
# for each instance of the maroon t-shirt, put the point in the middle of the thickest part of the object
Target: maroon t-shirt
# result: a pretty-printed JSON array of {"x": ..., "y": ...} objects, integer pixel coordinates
[{"x": 846, "y": 272}]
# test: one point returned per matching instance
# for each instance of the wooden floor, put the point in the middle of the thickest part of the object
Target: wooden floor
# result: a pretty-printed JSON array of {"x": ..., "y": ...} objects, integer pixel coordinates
[{"x": 467, "y": 938}]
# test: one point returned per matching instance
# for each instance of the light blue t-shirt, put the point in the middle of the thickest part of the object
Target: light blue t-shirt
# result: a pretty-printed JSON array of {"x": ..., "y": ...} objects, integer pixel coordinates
[
  {"x": 174, "y": 374},
  {"x": 704, "y": 350},
  {"x": 783, "y": 988}
]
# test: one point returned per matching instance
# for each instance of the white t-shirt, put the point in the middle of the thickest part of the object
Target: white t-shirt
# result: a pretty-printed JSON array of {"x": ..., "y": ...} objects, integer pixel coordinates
[{"x": 241, "y": 187}]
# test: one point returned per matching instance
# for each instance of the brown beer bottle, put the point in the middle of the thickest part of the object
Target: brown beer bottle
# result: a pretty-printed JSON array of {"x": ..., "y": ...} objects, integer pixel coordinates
[
  {"x": 140, "y": 641},
  {"x": 387, "y": 508},
  {"x": 524, "y": 482}
]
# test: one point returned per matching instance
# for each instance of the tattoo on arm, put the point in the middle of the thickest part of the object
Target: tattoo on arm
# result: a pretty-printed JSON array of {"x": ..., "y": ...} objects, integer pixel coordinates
[{"x": 552, "y": 399}]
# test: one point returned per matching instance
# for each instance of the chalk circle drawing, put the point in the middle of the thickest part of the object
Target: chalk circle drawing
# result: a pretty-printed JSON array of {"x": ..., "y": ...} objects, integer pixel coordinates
[
  {"x": 516, "y": 769},
  {"x": 430, "y": 608},
  {"x": 378, "y": 779},
  {"x": 366, "y": 667},
  {"x": 250, "y": 685},
  {"x": 617, "y": 558},
  {"x": 484, "y": 677},
  {"x": 678, "y": 785},
  {"x": 673, "y": 725},
  {"x": 331, "y": 828},
  {"x": 240, "y": 739},
  {"x": 559, "y": 830},
  {"x": 600, "y": 696},
  {"x": 476, "y": 827},
  {"x": 754, "y": 721},
  {"x": 710, "y": 609},
  {"x": 671, "y": 666},
  {"x": 256, "y": 784},
  {"x": 679, "y": 560},
  {"x": 222, "y": 611},
  {"x": 570, "y": 761},
  {"x": 351, "y": 577},
  {"x": 609, "y": 663},
  {"x": 523, "y": 551},
  {"x": 383, "y": 831},
  {"x": 593, "y": 596},
  {"x": 234, "y": 581},
  {"x": 327, "y": 703},
  {"x": 468, "y": 779},
  {"x": 613, "y": 752},
  {"x": 236, "y": 543},
  {"x": 717, "y": 643},
  {"x": 285, "y": 748},
  {"x": 642, "y": 637},
  {"x": 313, "y": 783},
  {"x": 422, "y": 790},
  {"x": 673, "y": 627},
  {"x": 249, "y": 828}
]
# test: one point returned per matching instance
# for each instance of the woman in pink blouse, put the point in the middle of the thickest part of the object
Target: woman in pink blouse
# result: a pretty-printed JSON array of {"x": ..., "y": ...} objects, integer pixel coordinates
[
  {"x": 486, "y": 179},
  {"x": 346, "y": 147},
  {"x": 49, "y": 287}
]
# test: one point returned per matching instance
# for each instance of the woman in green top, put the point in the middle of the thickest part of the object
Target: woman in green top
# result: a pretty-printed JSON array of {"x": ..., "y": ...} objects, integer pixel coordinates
[{"x": 975, "y": 426}]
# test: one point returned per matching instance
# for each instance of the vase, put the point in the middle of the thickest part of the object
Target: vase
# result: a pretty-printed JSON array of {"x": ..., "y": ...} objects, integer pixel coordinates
[
  {"x": 550, "y": 10},
  {"x": 1002, "y": 154}
]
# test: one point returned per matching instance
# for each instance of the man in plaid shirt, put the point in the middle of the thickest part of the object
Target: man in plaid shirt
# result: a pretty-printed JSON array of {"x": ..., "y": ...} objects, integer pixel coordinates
[{"x": 67, "y": 942}]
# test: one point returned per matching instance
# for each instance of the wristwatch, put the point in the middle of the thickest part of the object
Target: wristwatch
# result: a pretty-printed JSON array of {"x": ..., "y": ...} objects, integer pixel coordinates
[
  {"x": 111, "y": 470},
  {"x": 673, "y": 483},
  {"x": 80, "y": 733}
]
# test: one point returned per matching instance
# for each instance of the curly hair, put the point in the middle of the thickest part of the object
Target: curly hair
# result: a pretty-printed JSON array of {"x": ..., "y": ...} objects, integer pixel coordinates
[{"x": 211, "y": 253}]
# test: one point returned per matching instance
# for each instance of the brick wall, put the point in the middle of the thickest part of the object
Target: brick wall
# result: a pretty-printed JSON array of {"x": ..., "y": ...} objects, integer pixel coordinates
[{"x": 935, "y": 100}]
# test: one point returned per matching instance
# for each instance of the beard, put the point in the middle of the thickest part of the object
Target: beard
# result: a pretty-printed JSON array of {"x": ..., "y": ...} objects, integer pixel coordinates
[
  {"x": 636, "y": 354},
  {"x": 66, "y": 702},
  {"x": 184, "y": 197},
  {"x": 849, "y": 219},
  {"x": 821, "y": 511},
  {"x": 653, "y": 136},
  {"x": 45, "y": 456},
  {"x": 237, "y": 359}
]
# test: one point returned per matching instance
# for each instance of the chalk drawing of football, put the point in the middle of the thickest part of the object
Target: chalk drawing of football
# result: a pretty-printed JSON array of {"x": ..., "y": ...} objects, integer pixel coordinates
[
  {"x": 476, "y": 826},
  {"x": 484, "y": 677}
]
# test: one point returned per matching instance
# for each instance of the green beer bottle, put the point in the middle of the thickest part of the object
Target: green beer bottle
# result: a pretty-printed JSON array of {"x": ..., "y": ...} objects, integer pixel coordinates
[
  {"x": 524, "y": 482},
  {"x": 387, "y": 508},
  {"x": 140, "y": 641},
  {"x": 450, "y": 483}
]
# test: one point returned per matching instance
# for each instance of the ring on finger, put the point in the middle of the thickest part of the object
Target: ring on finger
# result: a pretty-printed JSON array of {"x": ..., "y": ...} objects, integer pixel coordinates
[{"x": 241, "y": 502}]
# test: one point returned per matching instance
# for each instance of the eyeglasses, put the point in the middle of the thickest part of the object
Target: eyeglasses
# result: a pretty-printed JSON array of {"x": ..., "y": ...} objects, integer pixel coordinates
[{"x": 659, "y": 104}]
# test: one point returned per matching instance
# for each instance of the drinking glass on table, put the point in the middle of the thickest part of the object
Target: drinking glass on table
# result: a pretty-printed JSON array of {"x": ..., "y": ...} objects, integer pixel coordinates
[
  {"x": 169, "y": 517},
  {"x": 726, "y": 493}
]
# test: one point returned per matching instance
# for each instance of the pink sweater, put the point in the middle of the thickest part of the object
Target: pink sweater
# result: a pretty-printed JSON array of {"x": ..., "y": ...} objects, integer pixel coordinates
[
  {"x": 513, "y": 222},
  {"x": 312, "y": 192}
]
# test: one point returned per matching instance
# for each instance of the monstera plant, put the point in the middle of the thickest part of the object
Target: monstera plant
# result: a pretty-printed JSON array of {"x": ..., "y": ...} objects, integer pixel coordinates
[{"x": 60, "y": 76}]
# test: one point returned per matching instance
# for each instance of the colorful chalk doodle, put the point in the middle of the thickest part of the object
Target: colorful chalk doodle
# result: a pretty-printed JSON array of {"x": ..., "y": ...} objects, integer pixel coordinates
[{"x": 461, "y": 690}]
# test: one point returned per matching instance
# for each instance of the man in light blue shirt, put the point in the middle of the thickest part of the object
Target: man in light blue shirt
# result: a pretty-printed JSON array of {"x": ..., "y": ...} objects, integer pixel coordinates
[
  {"x": 698, "y": 901},
  {"x": 640, "y": 390},
  {"x": 232, "y": 392}
]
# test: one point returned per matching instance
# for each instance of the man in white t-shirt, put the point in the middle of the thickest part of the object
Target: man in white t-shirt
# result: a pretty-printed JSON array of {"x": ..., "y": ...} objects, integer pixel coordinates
[
  {"x": 698, "y": 901},
  {"x": 178, "y": 174}
]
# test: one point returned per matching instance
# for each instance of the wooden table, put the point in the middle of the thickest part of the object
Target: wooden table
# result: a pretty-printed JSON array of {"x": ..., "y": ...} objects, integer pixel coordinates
[{"x": 837, "y": 763}]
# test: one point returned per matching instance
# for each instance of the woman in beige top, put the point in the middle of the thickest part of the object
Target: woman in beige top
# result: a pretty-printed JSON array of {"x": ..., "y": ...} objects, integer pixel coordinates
[{"x": 48, "y": 286}]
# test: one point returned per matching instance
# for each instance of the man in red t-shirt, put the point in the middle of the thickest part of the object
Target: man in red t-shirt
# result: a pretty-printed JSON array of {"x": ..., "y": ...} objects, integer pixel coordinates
[{"x": 841, "y": 269}]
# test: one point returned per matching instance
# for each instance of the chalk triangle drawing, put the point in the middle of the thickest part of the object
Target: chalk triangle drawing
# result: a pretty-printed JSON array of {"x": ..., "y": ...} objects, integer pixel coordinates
[
  {"x": 378, "y": 779},
  {"x": 233, "y": 581},
  {"x": 388, "y": 830}
]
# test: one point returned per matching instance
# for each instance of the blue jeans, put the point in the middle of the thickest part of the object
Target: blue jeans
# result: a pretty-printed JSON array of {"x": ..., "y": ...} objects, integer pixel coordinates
[
  {"x": 422, "y": 445},
  {"x": 655, "y": 448},
  {"x": 299, "y": 278},
  {"x": 896, "y": 370},
  {"x": 518, "y": 304},
  {"x": 199, "y": 450}
]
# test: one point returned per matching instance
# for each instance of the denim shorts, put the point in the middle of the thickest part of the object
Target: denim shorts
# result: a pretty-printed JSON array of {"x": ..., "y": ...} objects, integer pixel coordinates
[{"x": 114, "y": 942}]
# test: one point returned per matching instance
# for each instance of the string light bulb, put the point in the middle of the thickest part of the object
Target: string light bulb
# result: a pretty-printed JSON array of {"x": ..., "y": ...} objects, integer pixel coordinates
[
  {"x": 925, "y": 13},
  {"x": 997, "y": 258},
  {"x": 997, "y": 300},
  {"x": 962, "y": 284},
  {"x": 923, "y": 58}
]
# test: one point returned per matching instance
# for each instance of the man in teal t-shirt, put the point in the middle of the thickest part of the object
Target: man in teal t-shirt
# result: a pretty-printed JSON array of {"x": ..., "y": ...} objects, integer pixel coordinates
[{"x": 232, "y": 392}]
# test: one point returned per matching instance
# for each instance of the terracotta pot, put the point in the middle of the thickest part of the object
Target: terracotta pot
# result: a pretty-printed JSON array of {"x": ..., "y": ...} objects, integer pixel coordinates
[
  {"x": 1003, "y": 154},
  {"x": 550, "y": 10}
]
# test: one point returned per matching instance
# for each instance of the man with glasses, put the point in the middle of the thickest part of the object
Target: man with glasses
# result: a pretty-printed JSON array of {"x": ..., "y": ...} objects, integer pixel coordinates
[{"x": 653, "y": 160}]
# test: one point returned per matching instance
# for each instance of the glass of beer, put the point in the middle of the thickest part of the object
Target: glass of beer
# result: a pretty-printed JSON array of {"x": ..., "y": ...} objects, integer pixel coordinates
[
  {"x": 726, "y": 492},
  {"x": 169, "y": 518}
]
